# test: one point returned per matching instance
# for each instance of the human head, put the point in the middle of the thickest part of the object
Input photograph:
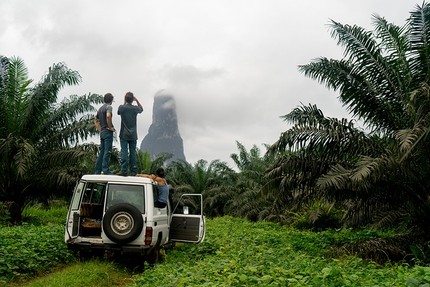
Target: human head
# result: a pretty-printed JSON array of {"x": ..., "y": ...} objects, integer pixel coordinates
[
  {"x": 160, "y": 172},
  {"x": 108, "y": 98},
  {"x": 129, "y": 97}
]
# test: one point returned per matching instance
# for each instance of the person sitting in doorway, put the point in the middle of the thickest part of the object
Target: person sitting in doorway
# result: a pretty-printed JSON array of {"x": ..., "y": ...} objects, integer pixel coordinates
[{"x": 162, "y": 187}]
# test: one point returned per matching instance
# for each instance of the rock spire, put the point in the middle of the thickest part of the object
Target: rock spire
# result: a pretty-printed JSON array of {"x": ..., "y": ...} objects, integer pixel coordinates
[{"x": 163, "y": 134}]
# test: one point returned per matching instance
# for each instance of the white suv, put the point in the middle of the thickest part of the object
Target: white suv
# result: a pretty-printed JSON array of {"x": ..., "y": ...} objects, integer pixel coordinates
[{"x": 118, "y": 214}]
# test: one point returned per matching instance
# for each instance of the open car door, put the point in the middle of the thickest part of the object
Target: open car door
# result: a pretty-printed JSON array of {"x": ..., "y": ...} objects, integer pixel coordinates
[
  {"x": 188, "y": 222},
  {"x": 73, "y": 216}
]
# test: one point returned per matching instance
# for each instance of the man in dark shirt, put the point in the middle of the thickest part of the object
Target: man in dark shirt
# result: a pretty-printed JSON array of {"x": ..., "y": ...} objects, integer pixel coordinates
[
  {"x": 103, "y": 123},
  {"x": 128, "y": 133}
]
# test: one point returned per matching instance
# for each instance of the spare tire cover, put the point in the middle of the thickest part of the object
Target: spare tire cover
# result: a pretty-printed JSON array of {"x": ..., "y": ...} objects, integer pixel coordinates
[{"x": 122, "y": 223}]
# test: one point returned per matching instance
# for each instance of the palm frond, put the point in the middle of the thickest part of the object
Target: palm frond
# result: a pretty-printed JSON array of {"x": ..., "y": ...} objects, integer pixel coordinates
[
  {"x": 72, "y": 107},
  {"x": 23, "y": 157},
  {"x": 419, "y": 33},
  {"x": 13, "y": 94},
  {"x": 394, "y": 39},
  {"x": 44, "y": 96},
  {"x": 327, "y": 138},
  {"x": 363, "y": 51},
  {"x": 338, "y": 178}
]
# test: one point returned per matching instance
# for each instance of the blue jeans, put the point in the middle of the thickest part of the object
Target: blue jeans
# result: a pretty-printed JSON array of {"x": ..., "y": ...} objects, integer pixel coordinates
[
  {"x": 102, "y": 163},
  {"x": 125, "y": 147}
]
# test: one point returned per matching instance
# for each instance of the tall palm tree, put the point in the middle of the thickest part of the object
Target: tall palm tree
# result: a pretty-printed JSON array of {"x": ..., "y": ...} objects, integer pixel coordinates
[
  {"x": 380, "y": 175},
  {"x": 39, "y": 138}
]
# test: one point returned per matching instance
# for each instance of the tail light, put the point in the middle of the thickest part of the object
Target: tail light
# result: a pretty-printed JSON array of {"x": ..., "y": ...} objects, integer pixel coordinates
[{"x": 148, "y": 236}]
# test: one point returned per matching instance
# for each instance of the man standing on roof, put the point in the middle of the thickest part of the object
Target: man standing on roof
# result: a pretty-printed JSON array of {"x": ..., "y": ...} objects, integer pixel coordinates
[
  {"x": 103, "y": 123},
  {"x": 128, "y": 133}
]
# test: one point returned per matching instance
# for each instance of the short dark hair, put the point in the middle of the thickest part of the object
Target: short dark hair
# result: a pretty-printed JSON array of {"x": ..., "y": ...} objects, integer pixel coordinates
[
  {"x": 129, "y": 97},
  {"x": 160, "y": 172},
  {"x": 108, "y": 98}
]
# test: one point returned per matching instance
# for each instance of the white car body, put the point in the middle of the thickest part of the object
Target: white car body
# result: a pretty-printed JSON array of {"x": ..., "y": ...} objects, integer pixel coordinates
[{"x": 118, "y": 214}]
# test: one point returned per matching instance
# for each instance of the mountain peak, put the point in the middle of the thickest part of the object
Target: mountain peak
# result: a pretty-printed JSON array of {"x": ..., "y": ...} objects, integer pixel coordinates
[{"x": 163, "y": 134}]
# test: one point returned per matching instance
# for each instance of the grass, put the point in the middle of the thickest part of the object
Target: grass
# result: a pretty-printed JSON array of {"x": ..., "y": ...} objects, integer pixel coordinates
[
  {"x": 38, "y": 215},
  {"x": 94, "y": 273}
]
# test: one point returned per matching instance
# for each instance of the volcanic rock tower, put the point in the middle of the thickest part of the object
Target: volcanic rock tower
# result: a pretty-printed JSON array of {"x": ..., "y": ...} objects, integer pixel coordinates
[{"x": 163, "y": 134}]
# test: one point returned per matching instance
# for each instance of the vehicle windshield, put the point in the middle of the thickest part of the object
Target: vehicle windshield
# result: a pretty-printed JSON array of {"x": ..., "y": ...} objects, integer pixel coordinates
[{"x": 122, "y": 193}]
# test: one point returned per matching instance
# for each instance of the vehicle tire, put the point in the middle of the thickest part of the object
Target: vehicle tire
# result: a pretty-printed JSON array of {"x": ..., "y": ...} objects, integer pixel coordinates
[
  {"x": 122, "y": 223},
  {"x": 154, "y": 256}
]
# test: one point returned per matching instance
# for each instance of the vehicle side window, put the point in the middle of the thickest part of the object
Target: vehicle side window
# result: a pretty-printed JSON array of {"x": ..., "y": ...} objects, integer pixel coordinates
[
  {"x": 188, "y": 205},
  {"x": 92, "y": 200},
  {"x": 93, "y": 193},
  {"x": 77, "y": 196},
  {"x": 123, "y": 193}
]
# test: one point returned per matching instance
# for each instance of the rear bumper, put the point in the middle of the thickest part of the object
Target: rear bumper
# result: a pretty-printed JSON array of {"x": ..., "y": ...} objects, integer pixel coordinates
[{"x": 96, "y": 247}]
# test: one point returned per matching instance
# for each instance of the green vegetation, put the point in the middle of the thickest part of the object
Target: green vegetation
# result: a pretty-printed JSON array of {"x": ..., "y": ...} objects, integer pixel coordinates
[
  {"x": 378, "y": 175},
  {"x": 236, "y": 252},
  {"x": 30, "y": 250},
  {"x": 240, "y": 253},
  {"x": 94, "y": 273},
  {"x": 39, "y": 215},
  {"x": 34, "y": 254}
]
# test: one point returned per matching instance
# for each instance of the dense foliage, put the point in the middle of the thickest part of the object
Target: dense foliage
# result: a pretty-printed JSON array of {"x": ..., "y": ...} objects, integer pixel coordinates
[
  {"x": 240, "y": 253},
  {"x": 29, "y": 250},
  {"x": 39, "y": 150},
  {"x": 379, "y": 174},
  {"x": 34, "y": 248}
]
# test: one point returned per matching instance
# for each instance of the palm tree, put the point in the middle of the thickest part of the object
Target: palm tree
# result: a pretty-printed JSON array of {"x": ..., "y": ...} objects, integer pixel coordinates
[
  {"x": 313, "y": 145},
  {"x": 249, "y": 202},
  {"x": 39, "y": 138},
  {"x": 380, "y": 175},
  {"x": 149, "y": 167},
  {"x": 213, "y": 180},
  {"x": 143, "y": 161}
]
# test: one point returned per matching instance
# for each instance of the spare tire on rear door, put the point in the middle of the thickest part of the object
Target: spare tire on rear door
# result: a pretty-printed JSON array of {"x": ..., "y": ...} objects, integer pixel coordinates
[{"x": 122, "y": 223}]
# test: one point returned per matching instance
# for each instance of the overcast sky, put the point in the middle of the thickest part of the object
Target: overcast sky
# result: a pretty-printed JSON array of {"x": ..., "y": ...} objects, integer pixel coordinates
[{"x": 230, "y": 64}]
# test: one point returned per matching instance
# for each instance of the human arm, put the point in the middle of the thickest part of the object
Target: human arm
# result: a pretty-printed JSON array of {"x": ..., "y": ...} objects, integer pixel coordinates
[
  {"x": 152, "y": 176},
  {"x": 97, "y": 124},
  {"x": 109, "y": 121},
  {"x": 138, "y": 103},
  {"x": 109, "y": 118},
  {"x": 158, "y": 179}
]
